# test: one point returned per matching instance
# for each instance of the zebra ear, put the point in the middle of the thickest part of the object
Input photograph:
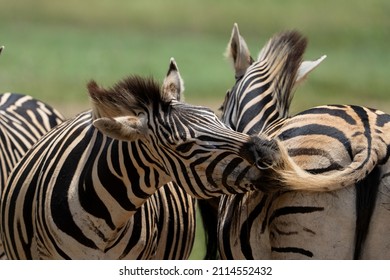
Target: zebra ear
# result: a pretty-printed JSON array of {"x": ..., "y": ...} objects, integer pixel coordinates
[
  {"x": 306, "y": 67},
  {"x": 237, "y": 51},
  {"x": 1, "y": 49},
  {"x": 127, "y": 128},
  {"x": 173, "y": 85}
]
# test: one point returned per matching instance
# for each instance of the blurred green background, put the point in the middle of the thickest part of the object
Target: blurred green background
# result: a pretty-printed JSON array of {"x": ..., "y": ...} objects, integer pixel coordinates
[{"x": 53, "y": 48}]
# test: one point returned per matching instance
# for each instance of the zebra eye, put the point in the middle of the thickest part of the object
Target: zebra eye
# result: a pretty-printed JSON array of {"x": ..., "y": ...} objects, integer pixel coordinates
[{"x": 185, "y": 147}]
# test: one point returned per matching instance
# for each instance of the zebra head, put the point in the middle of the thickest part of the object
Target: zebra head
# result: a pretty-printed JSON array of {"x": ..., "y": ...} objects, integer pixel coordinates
[
  {"x": 194, "y": 147},
  {"x": 264, "y": 88}
]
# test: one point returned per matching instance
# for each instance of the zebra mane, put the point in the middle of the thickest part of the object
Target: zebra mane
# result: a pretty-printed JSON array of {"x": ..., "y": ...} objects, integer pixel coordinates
[
  {"x": 283, "y": 55},
  {"x": 126, "y": 95}
]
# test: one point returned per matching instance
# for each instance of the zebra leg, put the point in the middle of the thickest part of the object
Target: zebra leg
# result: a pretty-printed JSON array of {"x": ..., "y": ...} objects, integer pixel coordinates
[
  {"x": 242, "y": 223},
  {"x": 377, "y": 244},
  {"x": 208, "y": 209}
]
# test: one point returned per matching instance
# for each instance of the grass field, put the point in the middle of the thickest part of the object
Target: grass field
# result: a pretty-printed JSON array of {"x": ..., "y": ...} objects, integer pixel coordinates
[{"x": 54, "y": 47}]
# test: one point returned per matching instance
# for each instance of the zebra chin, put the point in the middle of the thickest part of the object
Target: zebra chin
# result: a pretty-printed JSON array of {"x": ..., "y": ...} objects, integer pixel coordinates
[{"x": 265, "y": 180}]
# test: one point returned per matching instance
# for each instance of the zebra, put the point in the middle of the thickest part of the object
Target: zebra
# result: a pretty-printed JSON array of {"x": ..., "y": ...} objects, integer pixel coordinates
[
  {"x": 304, "y": 225},
  {"x": 250, "y": 119},
  {"x": 23, "y": 120},
  {"x": 176, "y": 222},
  {"x": 73, "y": 193},
  {"x": 168, "y": 217},
  {"x": 166, "y": 222}
]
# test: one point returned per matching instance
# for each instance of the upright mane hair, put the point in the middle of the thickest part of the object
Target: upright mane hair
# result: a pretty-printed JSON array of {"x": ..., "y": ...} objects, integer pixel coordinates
[
  {"x": 126, "y": 95},
  {"x": 286, "y": 49}
]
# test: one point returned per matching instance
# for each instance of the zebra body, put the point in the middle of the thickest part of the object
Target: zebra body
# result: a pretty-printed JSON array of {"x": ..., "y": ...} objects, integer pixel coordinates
[
  {"x": 72, "y": 195},
  {"x": 286, "y": 225},
  {"x": 23, "y": 120},
  {"x": 306, "y": 225}
]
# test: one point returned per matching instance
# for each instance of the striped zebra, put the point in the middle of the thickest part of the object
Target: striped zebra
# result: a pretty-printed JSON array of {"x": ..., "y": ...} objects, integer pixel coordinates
[
  {"x": 176, "y": 223},
  {"x": 305, "y": 225},
  {"x": 23, "y": 120},
  {"x": 168, "y": 217},
  {"x": 246, "y": 112},
  {"x": 166, "y": 223},
  {"x": 73, "y": 194}
]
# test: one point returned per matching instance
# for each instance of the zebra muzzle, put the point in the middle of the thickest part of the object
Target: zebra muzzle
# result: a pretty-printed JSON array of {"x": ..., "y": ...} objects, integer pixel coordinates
[{"x": 262, "y": 152}]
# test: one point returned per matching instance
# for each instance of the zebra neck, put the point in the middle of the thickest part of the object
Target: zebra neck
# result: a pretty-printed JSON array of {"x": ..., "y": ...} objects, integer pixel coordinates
[
  {"x": 258, "y": 117},
  {"x": 119, "y": 177}
]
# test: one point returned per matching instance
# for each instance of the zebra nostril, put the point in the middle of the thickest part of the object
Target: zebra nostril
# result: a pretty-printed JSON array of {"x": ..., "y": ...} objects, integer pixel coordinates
[
  {"x": 262, "y": 152},
  {"x": 263, "y": 164},
  {"x": 266, "y": 153}
]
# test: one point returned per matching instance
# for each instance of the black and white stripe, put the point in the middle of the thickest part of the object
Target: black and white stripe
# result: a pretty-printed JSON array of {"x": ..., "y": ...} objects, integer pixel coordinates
[
  {"x": 307, "y": 225},
  {"x": 77, "y": 193},
  {"x": 23, "y": 120}
]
